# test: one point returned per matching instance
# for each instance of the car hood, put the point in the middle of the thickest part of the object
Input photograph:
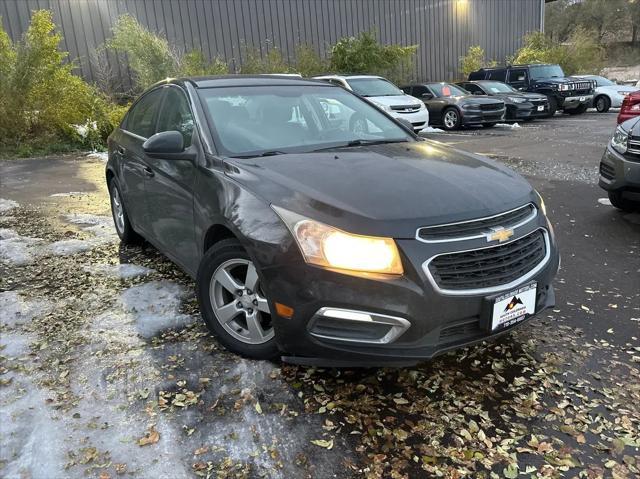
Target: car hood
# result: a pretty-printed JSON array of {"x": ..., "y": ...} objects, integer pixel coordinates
[
  {"x": 616, "y": 88},
  {"x": 475, "y": 100},
  {"x": 632, "y": 126},
  {"x": 394, "y": 100},
  {"x": 384, "y": 190}
]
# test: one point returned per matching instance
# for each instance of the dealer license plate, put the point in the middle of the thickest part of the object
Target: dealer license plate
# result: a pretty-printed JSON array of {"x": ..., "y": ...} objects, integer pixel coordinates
[
  {"x": 541, "y": 107},
  {"x": 513, "y": 307}
]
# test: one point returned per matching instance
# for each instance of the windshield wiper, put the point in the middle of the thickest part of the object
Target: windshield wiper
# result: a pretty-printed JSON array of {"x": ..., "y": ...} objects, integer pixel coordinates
[
  {"x": 361, "y": 143},
  {"x": 266, "y": 153}
]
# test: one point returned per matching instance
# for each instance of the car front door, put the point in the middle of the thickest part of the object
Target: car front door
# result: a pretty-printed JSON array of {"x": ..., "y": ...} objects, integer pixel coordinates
[
  {"x": 136, "y": 128},
  {"x": 169, "y": 187}
]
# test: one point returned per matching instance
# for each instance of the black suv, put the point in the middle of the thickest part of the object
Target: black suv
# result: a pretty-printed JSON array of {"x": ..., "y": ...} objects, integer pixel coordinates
[{"x": 572, "y": 95}]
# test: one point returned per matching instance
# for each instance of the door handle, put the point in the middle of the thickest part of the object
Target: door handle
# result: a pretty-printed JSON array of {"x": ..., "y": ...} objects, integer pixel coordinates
[{"x": 148, "y": 172}]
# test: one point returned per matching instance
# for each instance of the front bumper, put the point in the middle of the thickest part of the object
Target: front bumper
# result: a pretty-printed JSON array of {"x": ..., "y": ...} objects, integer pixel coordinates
[
  {"x": 419, "y": 119},
  {"x": 479, "y": 117},
  {"x": 525, "y": 111},
  {"x": 571, "y": 102},
  {"x": 435, "y": 321},
  {"x": 620, "y": 173}
]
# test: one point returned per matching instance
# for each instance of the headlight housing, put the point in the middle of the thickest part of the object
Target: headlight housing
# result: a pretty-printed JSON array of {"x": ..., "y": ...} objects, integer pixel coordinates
[
  {"x": 386, "y": 108},
  {"x": 620, "y": 140},
  {"x": 543, "y": 206},
  {"x": 329, "y": 247},
  {"x": 516, "y": 99}
]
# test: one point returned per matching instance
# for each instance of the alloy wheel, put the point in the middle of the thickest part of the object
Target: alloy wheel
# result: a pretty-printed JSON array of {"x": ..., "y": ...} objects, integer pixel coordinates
[
  {"x": 239, "y": 303},
  {"x": 450, "y": 119},
  {"x": 118, "y": 209}
]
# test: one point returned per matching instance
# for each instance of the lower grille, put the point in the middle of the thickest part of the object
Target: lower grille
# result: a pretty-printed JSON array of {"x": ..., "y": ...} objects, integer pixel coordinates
[
  {"x": 459, "y": 332},
  {"x": 489, "y": 267},
  {"x": 607, "y": 171},
  {"x": 491, "y": 107}
]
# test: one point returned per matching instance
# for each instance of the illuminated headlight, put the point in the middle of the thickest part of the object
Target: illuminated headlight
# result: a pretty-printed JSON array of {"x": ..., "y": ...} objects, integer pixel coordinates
[
  {"x": 564, "y": 87},
  {"x": 620, "y": 140},
  {"x": 543, "y": 207},
  {"x": 326, "y": 246},
  {"x": 516, "y": 99}
]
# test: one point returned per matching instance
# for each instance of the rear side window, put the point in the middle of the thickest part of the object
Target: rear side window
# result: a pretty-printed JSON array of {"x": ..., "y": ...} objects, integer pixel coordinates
[
  {"x": 419, "y": 90},
  {"x": 500, "y": 75},
  {"x": 141, "y": 117},
  {"x": 176, "y": 115}
]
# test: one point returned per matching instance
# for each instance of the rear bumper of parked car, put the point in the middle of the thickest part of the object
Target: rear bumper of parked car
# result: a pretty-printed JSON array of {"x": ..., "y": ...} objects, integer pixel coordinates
[
  {"x": 475, "y": 117},
  {"x": 419, "y": 119},
  {"x": 410, "y": 318},
  {"x": 620, "y": 173}
]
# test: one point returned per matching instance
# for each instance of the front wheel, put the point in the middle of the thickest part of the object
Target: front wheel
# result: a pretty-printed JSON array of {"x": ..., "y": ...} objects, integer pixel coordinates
[
  {"x": 451, "y": 119},
  {"x": 233, "y": 302},
  {"x": 553, "y": 106},
  {"x": 622, "y": 203},
  {"x": 602, "y": 104},
  {"x": 579, "y": 110}
]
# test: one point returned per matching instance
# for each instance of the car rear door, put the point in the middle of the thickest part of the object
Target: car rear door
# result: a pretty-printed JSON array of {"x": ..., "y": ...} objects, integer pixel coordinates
[
  {"x": 133, "y": 170},
  {"x": 169, "y": 186}
]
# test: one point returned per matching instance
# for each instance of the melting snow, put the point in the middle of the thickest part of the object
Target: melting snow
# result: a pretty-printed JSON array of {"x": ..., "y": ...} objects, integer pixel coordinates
[
  {"x": 122, "y": 271},
  {"x": 507, "y": 125},
  {"x": 604, "y": 201},
  {"x": 6, "y": 205},
  {"x": 17, "y": 249},
  {"x": 14, "y": 309},
  {"x": 70, "y": 193},
  {"x": 99, "y": 155},
  {"x": 430, "y": 129}
]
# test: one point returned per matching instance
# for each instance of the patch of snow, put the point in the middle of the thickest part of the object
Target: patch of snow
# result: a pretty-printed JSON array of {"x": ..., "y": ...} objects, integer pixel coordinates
[
  {"x": 17, "y": 249},
  {"x": 15, "y": 310},
  {"x": 69, "y": 247},
  {"x": 6, "y": 205},
  {"x": 122, "y": 271},
  {"x": 604, "y": 201},
  {"x": 14, "y": 345},
  {"x": 430, "y": 129},
  {"x": 99, "y": 155},
  {"x": 70, "y": 193},
  {"x": 508, "y": 125},
  {"x": 101, "y": 226},
  {"x": 155, "y": 307}
]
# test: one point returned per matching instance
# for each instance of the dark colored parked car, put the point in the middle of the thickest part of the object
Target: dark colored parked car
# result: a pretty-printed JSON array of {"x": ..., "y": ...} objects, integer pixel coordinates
[
  {"x": 520, "y": 105},
  {"x": 572, "y": 95},
  {"x": 321, "y": 244},
  {"x": 620, "y": 166},
  {"x": 453, "y": 107},
  {"x": 630, "y": 107}
]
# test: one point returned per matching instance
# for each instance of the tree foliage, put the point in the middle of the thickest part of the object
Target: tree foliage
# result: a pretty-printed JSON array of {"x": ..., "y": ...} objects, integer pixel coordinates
[
  {"x": 364, "y": 54},
  {"x": 474, "y": 60}
]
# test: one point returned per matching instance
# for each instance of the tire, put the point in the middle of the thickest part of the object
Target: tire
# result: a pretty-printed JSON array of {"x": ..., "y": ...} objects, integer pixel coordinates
[
  {"x": 451, "y": 119},
  {"x": 489, "y": 125},
  {"x": 553, "y": 106},
  {"x": 622, "y": 203},
  {"x": 577, "y": 111},
  {"x": 233, "y": 303},
  {"x": 358, "y": 124},
  {"x": 602, "y": 103},
  {"x": 121, "y": 221}
]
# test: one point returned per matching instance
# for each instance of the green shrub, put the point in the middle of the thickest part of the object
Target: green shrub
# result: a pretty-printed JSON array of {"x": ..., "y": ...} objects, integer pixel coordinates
[
  {"x": 581, "y": 54},
  {"x": 474, "y": 60},
  {"x": 194, "y": 64},
  {"x": 308, "y": 62},
  {"x": 254, "y": 62},
  {"x": 364, "y": 54}
]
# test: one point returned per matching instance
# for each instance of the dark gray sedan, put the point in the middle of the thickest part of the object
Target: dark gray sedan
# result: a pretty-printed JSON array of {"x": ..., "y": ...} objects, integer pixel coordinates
[
  {"x": 453, "y": 107},
  {"x": 320, "y": 244}
]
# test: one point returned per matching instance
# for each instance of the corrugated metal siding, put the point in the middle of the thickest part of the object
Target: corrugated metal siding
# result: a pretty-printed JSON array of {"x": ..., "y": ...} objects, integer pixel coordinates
[{"x": 443, "y": 29}]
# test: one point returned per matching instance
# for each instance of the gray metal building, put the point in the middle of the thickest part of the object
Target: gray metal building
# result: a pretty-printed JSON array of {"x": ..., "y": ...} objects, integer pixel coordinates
[{"x": 443, "y": 29}]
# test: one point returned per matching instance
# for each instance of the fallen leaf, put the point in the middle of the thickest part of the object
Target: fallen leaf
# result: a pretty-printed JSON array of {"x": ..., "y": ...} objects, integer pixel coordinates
[{"x": 151, "y": 437}]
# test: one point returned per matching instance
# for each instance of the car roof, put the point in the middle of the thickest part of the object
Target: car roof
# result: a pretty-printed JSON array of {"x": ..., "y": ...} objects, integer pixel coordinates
[
  {"x": 346, "y": 76},
  {"x": 244, "y": 80}
]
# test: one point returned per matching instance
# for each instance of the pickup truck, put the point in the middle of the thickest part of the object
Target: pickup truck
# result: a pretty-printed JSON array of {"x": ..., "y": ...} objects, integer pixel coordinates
[{"x": 572, "y": 95}]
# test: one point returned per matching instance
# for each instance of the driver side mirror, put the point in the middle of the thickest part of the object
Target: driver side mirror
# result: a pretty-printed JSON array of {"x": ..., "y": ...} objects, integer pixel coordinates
[
  {"x": 167, "y": 145},
  {"x": 426, "y": 96}
]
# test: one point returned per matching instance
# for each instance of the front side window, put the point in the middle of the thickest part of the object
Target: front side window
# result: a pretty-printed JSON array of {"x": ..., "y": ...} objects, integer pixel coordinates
[
  {"x": 518, "y": 76},
  {"x": 444, "y": 90},
  {"x": 141, "y": 117},
  {"x": 176, "y": 115},
  {"x": 253, "y": 120},
  {"x": 374, "y": 87}
]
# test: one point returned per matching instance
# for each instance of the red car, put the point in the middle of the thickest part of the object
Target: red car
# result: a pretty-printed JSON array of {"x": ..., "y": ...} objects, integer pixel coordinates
[{"x": 630, "y": 107}]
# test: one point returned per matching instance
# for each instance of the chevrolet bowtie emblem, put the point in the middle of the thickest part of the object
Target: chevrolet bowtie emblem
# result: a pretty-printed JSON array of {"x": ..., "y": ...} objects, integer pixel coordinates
[{"x": 499, "y": 234}]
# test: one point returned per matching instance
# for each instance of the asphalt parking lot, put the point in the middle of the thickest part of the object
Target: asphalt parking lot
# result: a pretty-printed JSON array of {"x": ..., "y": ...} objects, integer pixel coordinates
[{"x": 106, "y": 370}]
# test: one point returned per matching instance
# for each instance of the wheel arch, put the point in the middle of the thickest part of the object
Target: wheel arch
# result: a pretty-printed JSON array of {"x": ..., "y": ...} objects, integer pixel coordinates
[{"x": 216, "y": 233}]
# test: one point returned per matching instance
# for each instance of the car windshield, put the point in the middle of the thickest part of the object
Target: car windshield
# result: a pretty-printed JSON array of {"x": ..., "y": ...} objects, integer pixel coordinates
[
  {"x": 374, "y": 87},
  {"x": 443, "y": 90},
  {"x": 269, "y": 120},
  {"x": 545, "y": 71},
  {"x": 498, "y": 87}
]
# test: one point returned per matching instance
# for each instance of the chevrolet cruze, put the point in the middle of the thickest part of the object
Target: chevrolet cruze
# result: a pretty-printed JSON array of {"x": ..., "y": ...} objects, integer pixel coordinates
[{"x": 322, "y": 244}]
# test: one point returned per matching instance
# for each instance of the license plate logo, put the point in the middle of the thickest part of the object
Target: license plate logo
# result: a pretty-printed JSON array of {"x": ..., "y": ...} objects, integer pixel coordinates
[
  {"x": 513, "y": 307},
  {"x": 582, "y": 98},
  {"x": 541, "y": 107}
]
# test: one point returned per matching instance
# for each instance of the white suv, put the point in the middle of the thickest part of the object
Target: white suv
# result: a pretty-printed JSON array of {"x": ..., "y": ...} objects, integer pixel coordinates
[{"x": 386, "y": 96}]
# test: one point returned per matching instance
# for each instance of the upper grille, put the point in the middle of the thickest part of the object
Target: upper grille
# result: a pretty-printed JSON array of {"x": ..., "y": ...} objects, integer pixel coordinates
[
  {"x": 489, "y": 267},
  {"x": 405, "y": 108},
  {"x": 491, "y": 106},
  {"x": 478, "y": 227},
  {"x": 633, "y": 148}
]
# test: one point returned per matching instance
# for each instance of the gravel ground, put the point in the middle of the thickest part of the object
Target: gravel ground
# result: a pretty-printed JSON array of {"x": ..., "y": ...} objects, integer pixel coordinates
[{"x": 106, "y": 370}]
